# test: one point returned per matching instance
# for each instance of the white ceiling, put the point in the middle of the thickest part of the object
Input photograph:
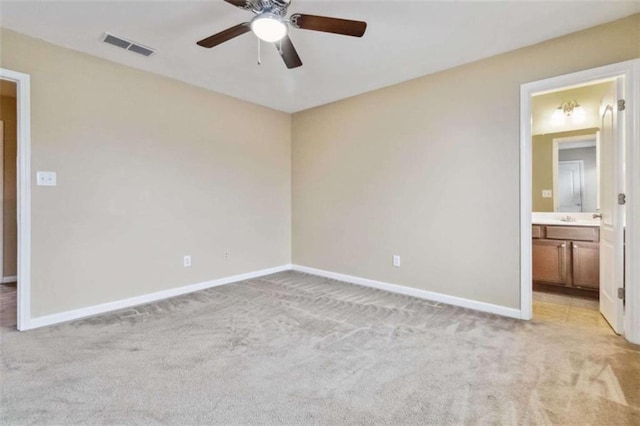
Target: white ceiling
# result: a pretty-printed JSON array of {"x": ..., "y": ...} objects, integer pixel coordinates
[{"x": 404, "y": 40}]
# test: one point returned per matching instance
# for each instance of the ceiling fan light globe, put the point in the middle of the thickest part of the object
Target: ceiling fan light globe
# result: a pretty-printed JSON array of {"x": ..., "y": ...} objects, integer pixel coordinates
[{"x": 269, "y": 28}]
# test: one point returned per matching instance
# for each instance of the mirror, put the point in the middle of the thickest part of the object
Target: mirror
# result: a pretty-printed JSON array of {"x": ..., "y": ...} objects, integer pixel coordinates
[
  {"x": 565, "y": 172},
  {"x": 565, "y": 150}
]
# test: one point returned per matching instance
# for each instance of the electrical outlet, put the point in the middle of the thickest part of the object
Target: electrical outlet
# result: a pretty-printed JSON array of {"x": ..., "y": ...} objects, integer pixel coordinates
[
  {"x": 226, "y": 254},
  {"x": 547, "y": 193},
  {"x": 187, "y": 261},
  {"x": 396, "y": 260}
]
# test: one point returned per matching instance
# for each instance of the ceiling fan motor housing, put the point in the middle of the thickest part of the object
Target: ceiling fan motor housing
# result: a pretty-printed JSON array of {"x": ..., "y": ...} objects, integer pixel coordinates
[
  {"x": 276, "y": 7},
  {"x": 281, "y": 3}
]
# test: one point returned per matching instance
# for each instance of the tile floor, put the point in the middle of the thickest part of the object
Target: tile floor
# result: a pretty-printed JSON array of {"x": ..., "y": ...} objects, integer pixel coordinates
[
  {"x": 569, "y": 310},
  {"x": 8, "y": 306}
]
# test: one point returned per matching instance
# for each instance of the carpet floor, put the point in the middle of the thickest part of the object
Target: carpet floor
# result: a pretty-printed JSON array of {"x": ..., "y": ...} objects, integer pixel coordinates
[{"x": 293, "y": 348}]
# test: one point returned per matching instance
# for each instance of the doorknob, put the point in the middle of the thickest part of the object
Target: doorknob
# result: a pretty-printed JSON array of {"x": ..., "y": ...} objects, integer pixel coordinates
[{"x": 597, "y": 215}]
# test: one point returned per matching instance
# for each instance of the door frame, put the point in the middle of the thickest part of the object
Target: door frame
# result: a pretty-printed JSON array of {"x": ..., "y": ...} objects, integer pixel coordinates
[
  {"x": 23, "y": 179},
  {"x": 630, "y": 71}
]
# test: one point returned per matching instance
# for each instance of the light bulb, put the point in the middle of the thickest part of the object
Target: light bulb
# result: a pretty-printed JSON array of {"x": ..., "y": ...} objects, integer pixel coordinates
[
  {"x": 557, "y": 118},
  {"x": 268, "y": 27},
  {"x": 579, "y": 114}
]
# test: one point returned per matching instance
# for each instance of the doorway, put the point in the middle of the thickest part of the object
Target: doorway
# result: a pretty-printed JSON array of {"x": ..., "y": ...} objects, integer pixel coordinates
[
  {"x": 573, "y": 249},
  {"x": 21, "y": 163},
  {"x": 8, "y": 207},
  {"x": 566, "y": 260}
]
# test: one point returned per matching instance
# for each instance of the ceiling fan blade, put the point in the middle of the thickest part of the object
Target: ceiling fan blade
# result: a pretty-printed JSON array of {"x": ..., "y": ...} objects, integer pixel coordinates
[
  {"x": 225, "y": 35},
  {"x": 328, "y": 25},
  {"x": 242, "y": 4},
  {"x": 288, "y": 53}
]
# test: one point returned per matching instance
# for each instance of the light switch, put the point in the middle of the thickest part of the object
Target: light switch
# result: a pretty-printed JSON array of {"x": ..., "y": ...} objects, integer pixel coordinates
[
  {"x": 546, "y": 193},
  {"x": 46, "y": 178}
]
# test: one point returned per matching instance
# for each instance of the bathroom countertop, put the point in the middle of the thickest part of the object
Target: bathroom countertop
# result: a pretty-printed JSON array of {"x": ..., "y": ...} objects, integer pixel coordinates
[{"x": 594, "y": 223}]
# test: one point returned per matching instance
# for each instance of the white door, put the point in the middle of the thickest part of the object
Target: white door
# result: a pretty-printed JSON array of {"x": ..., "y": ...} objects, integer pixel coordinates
[
  {"x": 570, "y": 186},
  {"x": 611, "y": 222}
]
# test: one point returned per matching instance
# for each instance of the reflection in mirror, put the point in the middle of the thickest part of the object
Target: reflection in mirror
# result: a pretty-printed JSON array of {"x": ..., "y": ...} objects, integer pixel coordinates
[
  {"x": 565, "y": 171},
  {"x": 575, "y": 177}
]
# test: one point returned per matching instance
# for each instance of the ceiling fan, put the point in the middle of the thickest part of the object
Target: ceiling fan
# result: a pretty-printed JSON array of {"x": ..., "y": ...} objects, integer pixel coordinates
[{"x": 270, "y": 25}]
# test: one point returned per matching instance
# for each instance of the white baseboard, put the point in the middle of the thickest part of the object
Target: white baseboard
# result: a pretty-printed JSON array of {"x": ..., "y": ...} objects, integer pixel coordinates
[
  {"x": 409, "y": 291},
  {"x": 11, "y": 279},
  {"x": 145, "y": 298},
  {"x": 165, "y": 294}
]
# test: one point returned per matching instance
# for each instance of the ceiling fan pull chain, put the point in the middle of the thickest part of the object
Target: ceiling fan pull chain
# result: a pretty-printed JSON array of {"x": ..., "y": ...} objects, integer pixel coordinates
[
  {"x": 280, "y": 48},
  {"x": 259, "y": 58}
]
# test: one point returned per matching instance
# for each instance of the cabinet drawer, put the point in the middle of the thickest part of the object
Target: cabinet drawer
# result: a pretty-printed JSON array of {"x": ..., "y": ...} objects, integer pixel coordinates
[
  {"x": 537, "y": 231},
  {"x": 575, "y": 233}
]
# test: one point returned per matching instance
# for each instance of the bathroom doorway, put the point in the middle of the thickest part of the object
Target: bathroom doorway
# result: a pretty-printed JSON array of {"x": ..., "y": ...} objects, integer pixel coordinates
[
  {"x": 20, "y": 190},
  {"x": 566, "y": 192},
  {"x": 574, "y": 214},
  {"x": 8, "y": 207}
]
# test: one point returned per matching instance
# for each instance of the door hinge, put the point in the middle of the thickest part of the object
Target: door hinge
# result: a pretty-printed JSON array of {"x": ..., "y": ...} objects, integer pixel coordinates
[
  {"x": 621, "y": 293},
  {"x": 621, "y": 105},
  {"x": 622, "y": 199}
]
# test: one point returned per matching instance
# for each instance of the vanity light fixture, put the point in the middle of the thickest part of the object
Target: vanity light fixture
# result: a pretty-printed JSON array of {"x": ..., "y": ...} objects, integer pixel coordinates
[{"x": 570, "y": 109}]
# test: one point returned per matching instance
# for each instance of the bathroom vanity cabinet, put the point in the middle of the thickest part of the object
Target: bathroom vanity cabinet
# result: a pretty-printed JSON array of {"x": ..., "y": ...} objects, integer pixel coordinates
[{"x": 566, "y": 258}]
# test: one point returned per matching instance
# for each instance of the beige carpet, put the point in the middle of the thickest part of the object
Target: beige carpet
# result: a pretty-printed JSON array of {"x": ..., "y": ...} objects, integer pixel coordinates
[{"x": 298, "y": 349}]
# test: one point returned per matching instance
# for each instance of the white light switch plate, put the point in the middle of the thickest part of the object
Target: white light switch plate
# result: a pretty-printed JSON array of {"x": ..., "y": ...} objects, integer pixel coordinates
[
  {"x": 396, "y": 260},
  {"x": 546, "y": 193},
  {"x": 46, "y": 178}
]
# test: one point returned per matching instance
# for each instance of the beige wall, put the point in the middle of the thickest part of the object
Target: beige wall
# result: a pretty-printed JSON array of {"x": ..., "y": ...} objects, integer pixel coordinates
[
  {"x": 429, "y": 170},
  {"x": 149, "y": 169},
  {"x": 8, "y": 114},
  {"x": 542, "y": 166}
]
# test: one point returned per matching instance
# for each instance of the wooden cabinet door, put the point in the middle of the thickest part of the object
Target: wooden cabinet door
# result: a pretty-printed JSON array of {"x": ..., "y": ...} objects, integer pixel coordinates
[
  {"x": 550, "y": 261},
  {"x": 586, "y": 264}
]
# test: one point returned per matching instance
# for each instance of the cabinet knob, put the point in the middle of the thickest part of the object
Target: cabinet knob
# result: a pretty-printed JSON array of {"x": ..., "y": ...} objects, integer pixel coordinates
[
  {"x": 575, "y": 246},
  {"x": 563, "y": 245}
]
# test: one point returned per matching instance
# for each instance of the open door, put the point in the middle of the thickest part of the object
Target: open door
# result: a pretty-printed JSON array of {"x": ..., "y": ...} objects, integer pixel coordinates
[{"x": 612, "y": 219}]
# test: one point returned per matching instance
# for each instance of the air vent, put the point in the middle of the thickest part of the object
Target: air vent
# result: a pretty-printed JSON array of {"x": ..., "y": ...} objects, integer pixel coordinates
[{"x": 127, "y": 45}]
